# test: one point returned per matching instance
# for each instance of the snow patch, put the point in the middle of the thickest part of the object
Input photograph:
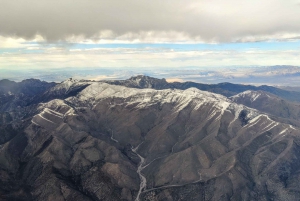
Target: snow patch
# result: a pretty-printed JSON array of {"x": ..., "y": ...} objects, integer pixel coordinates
[
  {"x": 283, "y": 131},
  {"x": 252, "y": 95}
]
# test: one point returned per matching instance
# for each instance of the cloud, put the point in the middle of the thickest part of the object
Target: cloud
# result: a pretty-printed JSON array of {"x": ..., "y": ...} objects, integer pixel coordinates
[
  {"x": 155, "y": 20},
  {"x": 143, "y": 58}
]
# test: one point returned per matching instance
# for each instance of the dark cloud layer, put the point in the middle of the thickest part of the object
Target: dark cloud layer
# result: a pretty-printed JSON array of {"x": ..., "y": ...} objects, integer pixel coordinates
[{"x": 207, "y": 20}]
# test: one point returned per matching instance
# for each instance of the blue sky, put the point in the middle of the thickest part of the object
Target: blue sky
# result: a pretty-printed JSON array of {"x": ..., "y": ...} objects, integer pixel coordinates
[
  {"x": 35, "y": 47},
  {"x": 19, "y": 53},
  {"x": 264, "y": 45}
]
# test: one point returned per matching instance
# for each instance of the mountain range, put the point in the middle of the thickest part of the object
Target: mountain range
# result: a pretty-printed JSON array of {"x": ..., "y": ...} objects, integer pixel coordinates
[
  {"x": 226, "y": 89},
  {"x": 147, "y": 139}
]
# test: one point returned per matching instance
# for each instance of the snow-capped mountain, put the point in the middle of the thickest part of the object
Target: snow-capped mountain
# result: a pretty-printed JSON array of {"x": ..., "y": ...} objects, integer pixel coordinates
[
  {"x": 98, "y": 141},
  {"x": 148, "y": 144},
  {"x": 285, "y": 110}
]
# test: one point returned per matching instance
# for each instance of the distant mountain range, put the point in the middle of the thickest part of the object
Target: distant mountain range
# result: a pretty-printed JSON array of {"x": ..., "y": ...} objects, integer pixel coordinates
[
  {"x": 280, "y": 75},
  {"x": 146, "y": 139}
]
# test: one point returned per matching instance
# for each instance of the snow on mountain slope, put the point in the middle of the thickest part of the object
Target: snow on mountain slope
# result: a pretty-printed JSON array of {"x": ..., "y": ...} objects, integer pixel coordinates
[
  {"x": 67, "y": 85},
  {"x": 251, "y": 95},
  {"x": 288, "y": 112},
  {"x": 146, "y": 97}
]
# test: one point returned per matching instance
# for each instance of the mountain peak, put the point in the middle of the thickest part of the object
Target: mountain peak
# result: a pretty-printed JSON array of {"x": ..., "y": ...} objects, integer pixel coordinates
[
  {"x": 138, "y": 77},
  {"x": 70, "y": 80},
  {"x": 31, "y": 80},
  {"x": 147, "y": 78},
  {"x": 142, "y": 81}
]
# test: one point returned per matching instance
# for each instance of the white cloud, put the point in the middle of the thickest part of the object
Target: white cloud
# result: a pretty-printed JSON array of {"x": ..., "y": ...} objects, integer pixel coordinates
[
  {"x": 147, "y": 58},
  {"x": 8, "y": 42},
  {"x": 155, "y": 20}
]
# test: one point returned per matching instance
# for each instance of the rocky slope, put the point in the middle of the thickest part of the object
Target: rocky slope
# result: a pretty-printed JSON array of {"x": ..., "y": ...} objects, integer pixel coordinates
[
  {"x": 281, "y": 109},
  {"x": 67, "y": 88},
  {"x": 20, "y": 94},
  {"x": 110, "y": 142},
  {"x": 15, "y": 104},
  {"x": 30, "y": 87}
]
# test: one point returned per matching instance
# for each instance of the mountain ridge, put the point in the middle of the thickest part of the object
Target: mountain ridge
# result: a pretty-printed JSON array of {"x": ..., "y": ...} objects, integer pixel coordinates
[
  {"x": 87, "y": 140},
  {"x": 226, "y": 88},
  {"x": 288, "y": 112},
  {"x": 110, "y": 142}
]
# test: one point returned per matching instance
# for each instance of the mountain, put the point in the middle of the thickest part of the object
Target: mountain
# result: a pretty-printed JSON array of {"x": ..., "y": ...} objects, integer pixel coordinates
[
  {"x": 226, "y": 89},
  {"x": 111, "y": 142},
  {"x": 62, "y": 90},
  {"x": 19, "y": 94},
  {"x": 141, "y": 82},
  {"x": 285, "y": 111},
  {"x": 289, "y": 88},
  {"x": 14, "y": 100},
  {"x": 14, "y": 95},
  {"x": 27, "y": 87}
]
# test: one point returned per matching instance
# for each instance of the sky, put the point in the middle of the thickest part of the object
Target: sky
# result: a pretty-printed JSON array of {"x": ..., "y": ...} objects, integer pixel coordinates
[{"x": 147, "y": 35}]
